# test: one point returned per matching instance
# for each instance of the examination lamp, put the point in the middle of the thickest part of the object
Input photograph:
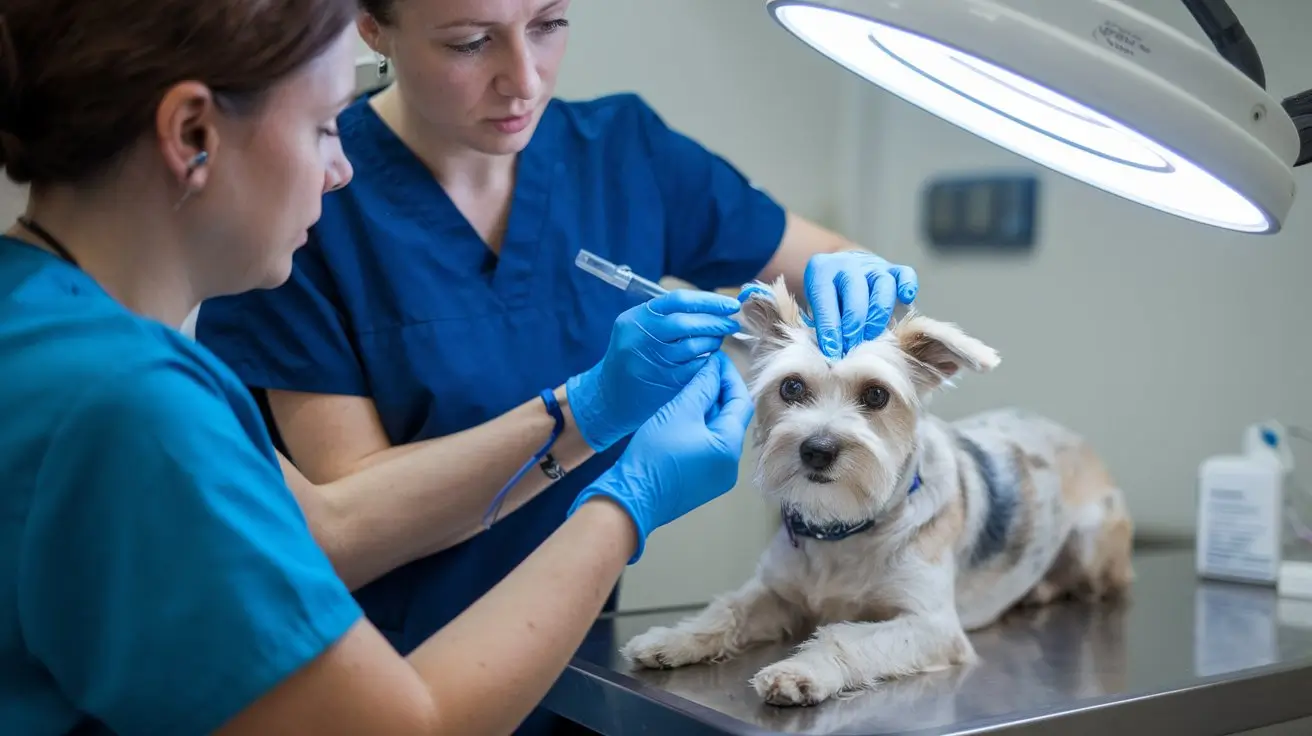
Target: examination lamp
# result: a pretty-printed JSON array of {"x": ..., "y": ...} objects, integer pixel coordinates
[{"x": 1093, "y": 89}]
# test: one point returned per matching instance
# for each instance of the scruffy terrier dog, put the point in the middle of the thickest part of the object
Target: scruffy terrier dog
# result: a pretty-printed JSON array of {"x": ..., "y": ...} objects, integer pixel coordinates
[{"x": 900, "y": 531}]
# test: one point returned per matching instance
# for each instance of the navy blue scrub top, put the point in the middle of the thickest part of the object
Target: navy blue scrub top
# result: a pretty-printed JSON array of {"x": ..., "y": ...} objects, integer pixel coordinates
[{"x": 398, "y": 298}]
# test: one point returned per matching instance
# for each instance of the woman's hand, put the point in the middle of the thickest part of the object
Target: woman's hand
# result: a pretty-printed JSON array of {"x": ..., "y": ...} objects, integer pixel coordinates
[
  {"x": 685, "y": 456},
  {"x": 655, "y": 350},
  {"x": 852, "y": 295}
]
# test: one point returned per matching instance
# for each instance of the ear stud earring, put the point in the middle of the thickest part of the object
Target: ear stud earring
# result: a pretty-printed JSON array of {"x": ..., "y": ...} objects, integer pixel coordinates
[{"x": 197, "y": 161}]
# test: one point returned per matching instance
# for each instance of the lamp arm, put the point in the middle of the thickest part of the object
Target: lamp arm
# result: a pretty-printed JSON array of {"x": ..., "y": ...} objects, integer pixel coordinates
[
  {"x": 1299, "y": 109},
  {"x": 1227, "y": 34}
]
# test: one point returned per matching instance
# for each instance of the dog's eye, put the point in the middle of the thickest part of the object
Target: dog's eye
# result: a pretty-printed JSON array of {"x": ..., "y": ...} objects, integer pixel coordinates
[
  {"x": 875, "y": 396},
  {"x": 792, "y": 389}
]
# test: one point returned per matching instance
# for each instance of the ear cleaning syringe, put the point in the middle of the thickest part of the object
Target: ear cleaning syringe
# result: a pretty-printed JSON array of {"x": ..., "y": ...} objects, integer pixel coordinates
[{"x": 624, "y": 279}]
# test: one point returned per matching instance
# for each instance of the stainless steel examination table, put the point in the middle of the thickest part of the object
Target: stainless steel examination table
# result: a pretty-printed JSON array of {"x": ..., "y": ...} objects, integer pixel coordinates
[{"x": 1181, "y": 656}]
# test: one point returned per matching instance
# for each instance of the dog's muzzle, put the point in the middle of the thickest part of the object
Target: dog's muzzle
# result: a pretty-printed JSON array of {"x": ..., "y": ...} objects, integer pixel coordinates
[{"x": 818, "y": 454}]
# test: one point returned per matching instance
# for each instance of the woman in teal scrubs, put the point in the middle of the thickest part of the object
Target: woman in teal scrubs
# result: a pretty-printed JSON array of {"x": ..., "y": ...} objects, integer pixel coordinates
[
  {"x": 157, "y": 575},
  {"x": 438, "y": 297}
]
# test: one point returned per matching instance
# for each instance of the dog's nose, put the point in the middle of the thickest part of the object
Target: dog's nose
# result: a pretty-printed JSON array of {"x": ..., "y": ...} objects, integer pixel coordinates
[{"x": 819, "y": 452}]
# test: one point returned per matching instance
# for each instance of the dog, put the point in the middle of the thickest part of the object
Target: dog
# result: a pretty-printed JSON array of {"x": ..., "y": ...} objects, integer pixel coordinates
[{"x": 900, "y": 531}]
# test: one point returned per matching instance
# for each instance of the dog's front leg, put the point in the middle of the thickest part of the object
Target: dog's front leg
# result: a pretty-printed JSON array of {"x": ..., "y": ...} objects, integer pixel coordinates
[
  {"x": 851, "y": 656},
  {"x": 750, "y": 615}
]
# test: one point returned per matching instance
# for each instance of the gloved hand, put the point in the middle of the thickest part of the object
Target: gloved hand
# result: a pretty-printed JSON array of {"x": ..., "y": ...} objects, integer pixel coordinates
[
  {"x": 852, "y": 297},
  {"x": 655, "y": 350},
  {"x": 685, "y": 456}
]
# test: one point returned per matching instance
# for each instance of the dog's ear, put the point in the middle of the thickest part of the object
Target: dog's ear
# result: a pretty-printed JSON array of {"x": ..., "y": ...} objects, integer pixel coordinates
[
  {"x": 940, "y": 350},
  {"x": 768, "y": 313}
]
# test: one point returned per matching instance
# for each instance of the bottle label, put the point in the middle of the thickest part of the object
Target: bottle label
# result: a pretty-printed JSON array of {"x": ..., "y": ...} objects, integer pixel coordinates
[{"x": 1240, "y": 534}]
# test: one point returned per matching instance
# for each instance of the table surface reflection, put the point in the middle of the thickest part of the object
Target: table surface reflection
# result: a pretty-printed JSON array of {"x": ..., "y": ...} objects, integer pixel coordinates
[{"x": 1182, "y": 655}]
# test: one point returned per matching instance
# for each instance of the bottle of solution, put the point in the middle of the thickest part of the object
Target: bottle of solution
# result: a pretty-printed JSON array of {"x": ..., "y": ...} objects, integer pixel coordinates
[{"x": 1241, "y": 501}]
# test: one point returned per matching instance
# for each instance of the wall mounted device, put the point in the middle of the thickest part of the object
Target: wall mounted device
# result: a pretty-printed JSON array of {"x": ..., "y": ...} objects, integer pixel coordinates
[{"x": 981, "y": 213}]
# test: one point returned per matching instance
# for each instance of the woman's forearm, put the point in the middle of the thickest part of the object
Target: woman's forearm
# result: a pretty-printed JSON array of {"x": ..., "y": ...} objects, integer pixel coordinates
[
  {"x": 489, "y": 667},
  {"x": 414, "y": 500},
  {"x": 802, "y": 240},
  {"x": 481, "y": 674}
]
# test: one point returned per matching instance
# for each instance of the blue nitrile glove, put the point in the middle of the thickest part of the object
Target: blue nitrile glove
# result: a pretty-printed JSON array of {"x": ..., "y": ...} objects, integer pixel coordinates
[
  {"x": 655, "y": 350},
  {"x": 852, "y": 296},
  {"x": 685, "y": 456}
]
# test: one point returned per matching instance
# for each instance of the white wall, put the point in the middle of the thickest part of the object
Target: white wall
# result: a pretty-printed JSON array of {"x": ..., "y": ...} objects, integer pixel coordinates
[
  {"x": 12, "y": 201},
  {"x": 1209, "y": 339}
]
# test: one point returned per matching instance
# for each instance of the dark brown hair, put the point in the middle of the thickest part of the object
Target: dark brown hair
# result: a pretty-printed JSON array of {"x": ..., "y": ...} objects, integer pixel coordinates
[
  {"x": 81, "y": 80},
  {"x": 381, "y": 10}
]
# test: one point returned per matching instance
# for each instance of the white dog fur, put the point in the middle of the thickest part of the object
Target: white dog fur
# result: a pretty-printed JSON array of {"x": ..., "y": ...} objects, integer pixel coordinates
[{"x": 1010, "y": 509}]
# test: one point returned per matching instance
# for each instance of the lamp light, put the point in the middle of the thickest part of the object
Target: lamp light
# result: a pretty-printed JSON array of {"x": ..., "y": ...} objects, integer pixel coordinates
[{"x": 1093, "y": 89}]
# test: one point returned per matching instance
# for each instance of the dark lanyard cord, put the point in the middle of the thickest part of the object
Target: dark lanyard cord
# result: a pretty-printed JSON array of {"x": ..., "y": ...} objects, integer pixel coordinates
[{"x": 49, "y": 239}]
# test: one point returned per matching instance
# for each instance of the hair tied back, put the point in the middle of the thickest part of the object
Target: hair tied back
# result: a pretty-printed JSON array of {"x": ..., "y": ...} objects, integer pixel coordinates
[
  {"x": 10, "y": 145},
  {"x": 8, "y": 77}
]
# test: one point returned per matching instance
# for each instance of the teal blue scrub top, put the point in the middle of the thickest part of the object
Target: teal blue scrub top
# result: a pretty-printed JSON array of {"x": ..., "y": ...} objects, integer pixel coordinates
[{"x": 156, "y": 574}]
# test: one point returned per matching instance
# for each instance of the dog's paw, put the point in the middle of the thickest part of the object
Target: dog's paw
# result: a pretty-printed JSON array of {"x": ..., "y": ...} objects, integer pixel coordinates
[
  {"x": 794, "y": 683},
  {"x": 663, "y": 648}
]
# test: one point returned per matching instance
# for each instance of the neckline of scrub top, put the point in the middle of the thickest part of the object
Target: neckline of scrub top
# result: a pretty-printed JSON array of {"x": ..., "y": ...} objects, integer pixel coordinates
[
  {"x": 74, "y": 278},
  {"x": 422, "y": 197}
]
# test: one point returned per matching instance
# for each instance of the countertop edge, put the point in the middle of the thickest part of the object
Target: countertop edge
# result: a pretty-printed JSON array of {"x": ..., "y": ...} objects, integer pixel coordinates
[{"x": 1215, "y": 706}]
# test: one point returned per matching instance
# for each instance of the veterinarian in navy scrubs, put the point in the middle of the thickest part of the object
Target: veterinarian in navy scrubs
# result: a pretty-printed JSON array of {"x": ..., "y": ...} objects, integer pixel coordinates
[{"x": 438, "y": 292}]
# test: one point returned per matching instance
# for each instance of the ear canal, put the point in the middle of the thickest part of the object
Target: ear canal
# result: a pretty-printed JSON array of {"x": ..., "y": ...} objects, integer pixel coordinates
[
  {"x": 760, "y": 314},
  {"x": 768, "y": 312},
  {"x": 941, "y": 350}
]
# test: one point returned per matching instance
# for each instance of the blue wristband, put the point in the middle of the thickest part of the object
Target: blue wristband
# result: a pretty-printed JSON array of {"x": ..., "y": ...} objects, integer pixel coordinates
[
  {"x": 543, "y": 456},
  {"x": 549, "y": 466}
]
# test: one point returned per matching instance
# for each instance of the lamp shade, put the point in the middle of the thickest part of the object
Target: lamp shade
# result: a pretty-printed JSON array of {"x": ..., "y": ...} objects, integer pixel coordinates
[{"x": 1095, "y": 90}]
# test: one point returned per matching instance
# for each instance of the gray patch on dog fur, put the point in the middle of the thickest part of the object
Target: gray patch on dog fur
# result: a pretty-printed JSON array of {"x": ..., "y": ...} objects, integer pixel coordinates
[{"x": 1001, "y": 495}]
